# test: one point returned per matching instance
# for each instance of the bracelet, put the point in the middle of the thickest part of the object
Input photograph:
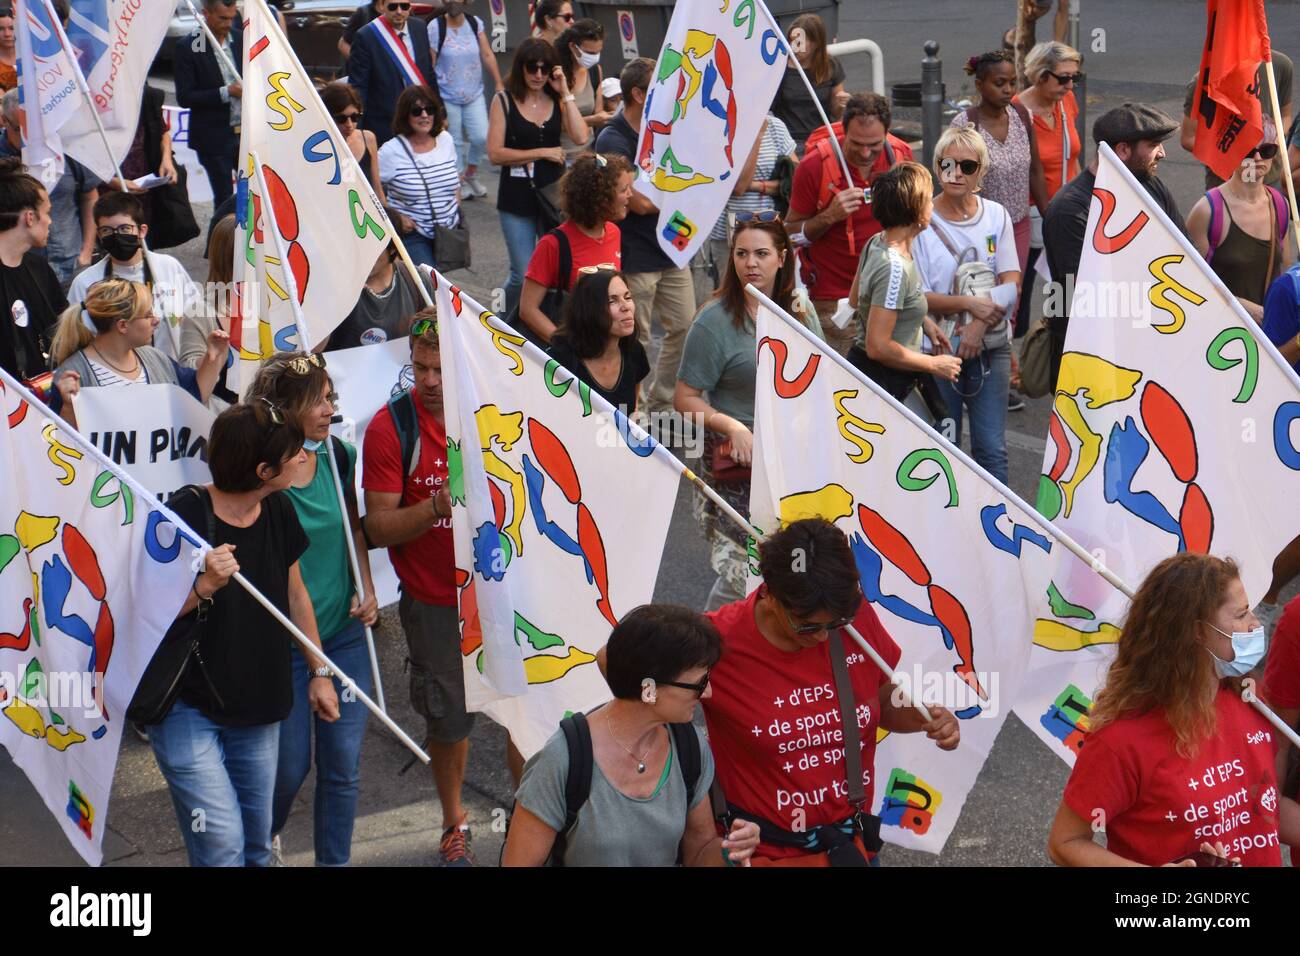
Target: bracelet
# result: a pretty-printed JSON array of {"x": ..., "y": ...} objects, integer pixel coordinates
[
  {"x": 195, "y": 588},
  {"x": 569, "y": 99}
]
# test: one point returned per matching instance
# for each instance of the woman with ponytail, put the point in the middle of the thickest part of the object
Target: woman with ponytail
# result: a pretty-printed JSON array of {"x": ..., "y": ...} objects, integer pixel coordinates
[{"x": 117, "y": 351}]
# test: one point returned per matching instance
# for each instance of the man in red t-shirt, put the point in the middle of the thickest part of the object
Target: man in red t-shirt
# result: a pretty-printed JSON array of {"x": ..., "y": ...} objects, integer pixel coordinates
[
  {"x": 408, "y": 511},
  {"x": 775, "y": 718},
  {"x": 834, "y": 216}
]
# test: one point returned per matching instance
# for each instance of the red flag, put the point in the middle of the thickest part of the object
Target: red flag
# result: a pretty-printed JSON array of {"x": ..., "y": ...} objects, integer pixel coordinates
[{"x": 1229, "y": 121}]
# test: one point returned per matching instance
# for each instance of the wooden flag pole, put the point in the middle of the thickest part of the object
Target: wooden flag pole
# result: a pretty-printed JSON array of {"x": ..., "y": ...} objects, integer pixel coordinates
[{"x": 1282, "y": 150}]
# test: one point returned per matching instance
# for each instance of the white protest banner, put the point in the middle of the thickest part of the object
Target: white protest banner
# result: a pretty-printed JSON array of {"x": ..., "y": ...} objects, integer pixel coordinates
[
  {"x": 1175, "y": 427},
  {"x": 157, "y": 433},
  {"x": 552, "y": 545},
  {"x": 91, "y": 577},
  {"x": 717, "y": 74},
  {"x": 197, "y": 184}
]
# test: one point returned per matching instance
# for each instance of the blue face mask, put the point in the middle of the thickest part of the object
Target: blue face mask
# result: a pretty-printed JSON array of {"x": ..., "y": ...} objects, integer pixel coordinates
[
  {"x": 309, "y": 445},
  {"x": 1248, "y": 649}
]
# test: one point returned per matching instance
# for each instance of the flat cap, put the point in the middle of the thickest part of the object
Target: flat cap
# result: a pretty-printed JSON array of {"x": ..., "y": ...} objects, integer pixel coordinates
[{"x": 1131, "y": 122}]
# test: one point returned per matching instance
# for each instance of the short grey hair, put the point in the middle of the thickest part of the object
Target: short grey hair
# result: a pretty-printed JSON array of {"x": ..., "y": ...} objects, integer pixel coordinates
[
  {"x": 9, "y": 105},
  {"x": 1047, "y": 56}
]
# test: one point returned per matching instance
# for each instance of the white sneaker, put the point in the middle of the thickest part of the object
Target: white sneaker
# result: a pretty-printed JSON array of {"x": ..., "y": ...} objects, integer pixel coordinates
[
  {"x": 277, "y": 851},
  {"x": 474, "y": 188}
]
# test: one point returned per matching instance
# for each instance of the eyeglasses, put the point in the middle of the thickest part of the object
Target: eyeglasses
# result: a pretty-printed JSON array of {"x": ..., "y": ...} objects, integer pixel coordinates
[
  {"x": 762, "y": 215},
  {"x": 699, "y": 687},
  {"x": 421, "y": 326},
  {"x": 398, "y": 6},
  {"x": 968, "y": 167},
  {"x": 1264, "y": 150},
  {"x": 302, "y": 365},
  {"x": 1065, "y": 79},
  {"x": 277, "y": 416},
  {"x": 539, "y": 67},
  {"x": 342, "y": 118},
  {"x": 124, "y": 230},
  {"x": 809, "y": 629},
  {"x": 592, "y": 270},
  {"x": 566, "y": 17}
]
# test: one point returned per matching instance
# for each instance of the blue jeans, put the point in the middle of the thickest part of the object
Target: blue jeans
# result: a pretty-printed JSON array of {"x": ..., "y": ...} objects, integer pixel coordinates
[
  {"x": 468, "y": 125},
  {"x": 221, "y": 779},
  {"x": 522, "y": 235},
  {"x": 983, "y": 387},
  {"x": 338, "y": 750},
  {"x": 420, "y": 248}
]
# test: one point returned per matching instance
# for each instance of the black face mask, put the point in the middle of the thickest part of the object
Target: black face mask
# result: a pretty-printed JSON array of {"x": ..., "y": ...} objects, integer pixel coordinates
[{"x": 121, "y": 248}]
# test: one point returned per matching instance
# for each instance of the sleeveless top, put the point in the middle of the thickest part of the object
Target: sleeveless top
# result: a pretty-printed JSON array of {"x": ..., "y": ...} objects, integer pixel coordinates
[
  {"x": 585, "y": 101},
  {"x": 1242, "y": 261},
  {"x": 515, "y": 194}
]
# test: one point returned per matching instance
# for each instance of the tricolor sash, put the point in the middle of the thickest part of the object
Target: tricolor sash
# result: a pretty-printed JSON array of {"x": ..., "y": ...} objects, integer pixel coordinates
[{"x": 398, "y": 51}]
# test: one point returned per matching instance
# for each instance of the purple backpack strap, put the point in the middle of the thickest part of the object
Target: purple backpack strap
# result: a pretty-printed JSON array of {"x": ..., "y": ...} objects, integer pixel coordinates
[
  {"x": 1279, "y": 207},
  {"x": 1216, "y": 213}
]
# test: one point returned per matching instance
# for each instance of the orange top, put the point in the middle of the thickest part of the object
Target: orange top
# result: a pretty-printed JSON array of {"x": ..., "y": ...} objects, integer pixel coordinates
[{"x": 1051, "y": 142}]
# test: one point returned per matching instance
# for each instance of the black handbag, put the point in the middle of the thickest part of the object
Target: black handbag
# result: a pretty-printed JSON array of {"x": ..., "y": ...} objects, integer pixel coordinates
[
  {"x": 552, "y": 305},
  {"x": 549, "y": 213},
  {"x": 160, "y": 684},
  {"x": 171, "y": 218}
]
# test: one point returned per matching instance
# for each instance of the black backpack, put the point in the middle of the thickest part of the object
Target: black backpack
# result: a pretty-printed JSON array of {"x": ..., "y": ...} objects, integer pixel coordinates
[
  {"x": 577, "y": 785},
  {"x": 442, "y": 30},
  {"x": 553, "y": 301}
]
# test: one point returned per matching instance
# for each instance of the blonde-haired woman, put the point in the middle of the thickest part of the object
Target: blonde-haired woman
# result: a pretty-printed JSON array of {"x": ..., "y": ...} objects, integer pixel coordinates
[
  {"x": 965, "y": 227},
  {"x": 118, "y": 352},
  {"x": 1054, "y": 69},
  {"x": 1177, "y": 767},
  {"x": 218, "y": 300}
]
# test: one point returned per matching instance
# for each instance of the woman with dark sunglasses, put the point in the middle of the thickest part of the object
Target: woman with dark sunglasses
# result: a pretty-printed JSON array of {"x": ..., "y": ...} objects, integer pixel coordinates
[
  {"x": 524, "y": 128},
  {"x": 1240, "y": 227},
  {"x": 774, "y": 716},
  {"x": 218, "y": 745},
  {"x": 643, "y": 807},
  {"x": 419, "y": 169},
  {"x": 344, "y": 107},
  {"x": 552, "y": 17}
]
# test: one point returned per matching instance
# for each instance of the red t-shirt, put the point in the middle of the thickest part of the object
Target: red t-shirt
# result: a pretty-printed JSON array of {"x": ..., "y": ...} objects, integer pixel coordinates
[
  {"x": 425, "y": 566},
  {"x": 774, "y": 721},
  {"x": 1158, "y": 806},
  {"x": 544, "y": 266},
  {"x": 1282, "y": 672},
  {"x": 829, "y": 264}
]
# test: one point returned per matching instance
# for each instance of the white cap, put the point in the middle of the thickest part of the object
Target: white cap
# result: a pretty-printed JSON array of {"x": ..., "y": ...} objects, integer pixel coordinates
[{"x": 609, "y": 87}]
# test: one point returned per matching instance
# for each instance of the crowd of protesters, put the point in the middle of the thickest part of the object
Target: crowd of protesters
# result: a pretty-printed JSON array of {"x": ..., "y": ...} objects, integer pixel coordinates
[{"x": 876, "y": 265}]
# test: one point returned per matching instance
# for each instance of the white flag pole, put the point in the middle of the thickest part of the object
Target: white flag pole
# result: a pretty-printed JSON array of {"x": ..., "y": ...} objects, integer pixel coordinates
[
  {"x": 1047, "y": 526},
  {"x": 89, "y": 449},
  {"x": 217, "y": 47},
  {"x": 352, "y": 168},
  {"x": 304, "y": 343}
]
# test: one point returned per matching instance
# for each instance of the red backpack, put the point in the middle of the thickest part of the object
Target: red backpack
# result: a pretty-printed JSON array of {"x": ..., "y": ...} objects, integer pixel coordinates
[{"x": 819, "y": 142}]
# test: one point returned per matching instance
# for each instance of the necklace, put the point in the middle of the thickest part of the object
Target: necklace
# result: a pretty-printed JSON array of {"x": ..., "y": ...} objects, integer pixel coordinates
[
  {"x": 640, "y": 761},
  {"x": 115, "y": 368}
]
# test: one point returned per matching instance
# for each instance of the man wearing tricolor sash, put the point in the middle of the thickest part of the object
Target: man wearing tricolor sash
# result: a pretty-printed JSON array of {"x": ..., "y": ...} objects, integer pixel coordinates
[{"x": 391, "y": 52}]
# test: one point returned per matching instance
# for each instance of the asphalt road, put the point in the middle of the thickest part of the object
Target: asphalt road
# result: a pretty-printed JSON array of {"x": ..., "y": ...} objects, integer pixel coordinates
[{"x": 1007, "y": 815}]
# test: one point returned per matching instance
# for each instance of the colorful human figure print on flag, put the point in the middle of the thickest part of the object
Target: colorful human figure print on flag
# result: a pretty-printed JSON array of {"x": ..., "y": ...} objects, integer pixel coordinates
[
  {"x": 949, "y": 559},
  {"x": 1175, "y": 427},
  {"x": 560, "y": 510},
  {"x": 91, "y": 577},
  {"x": 718, "y": 71},
  {"x": 113, "y": 43},
  {"x": 329, "y": 221}
]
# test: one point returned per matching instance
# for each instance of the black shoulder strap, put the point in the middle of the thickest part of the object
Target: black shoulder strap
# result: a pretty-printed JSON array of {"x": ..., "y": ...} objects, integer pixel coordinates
[
  {"x": 442, "y": 34},
  {"x": 209, "y": 515},
  {"x": 889, "y": 152},
  {"x": 688, "y": 752},
  {"x": 566, "y": 258},
  {"x": 849, "y": 721},
  {"x": 473, "y": 23},
  {"x": 577, "y": 785}
]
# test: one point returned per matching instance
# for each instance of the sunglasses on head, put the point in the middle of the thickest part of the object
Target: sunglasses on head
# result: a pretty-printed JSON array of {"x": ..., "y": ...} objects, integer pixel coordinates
[
  {"x": 698, "y": 688},
  {"x": 762, "y": 215},
  {"x": 341, "y": 118},
  {"x": 422, "y": 326},
  {"x": 1264, "y": 150},
  {"x": 968, "y": 167},
  {"x": 592, "y": 270},
  {"x": 1065, "y": 79},
  {"x": 303, "y": 364},
  {"x": 541, "y": 66}
]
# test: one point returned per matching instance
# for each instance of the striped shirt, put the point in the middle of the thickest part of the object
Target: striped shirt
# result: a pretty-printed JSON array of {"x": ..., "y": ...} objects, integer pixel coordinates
[
  {"x": 777, "y": 142},
  {"x": 411, "y": 180},
  {"x": 107, "y": 378}
]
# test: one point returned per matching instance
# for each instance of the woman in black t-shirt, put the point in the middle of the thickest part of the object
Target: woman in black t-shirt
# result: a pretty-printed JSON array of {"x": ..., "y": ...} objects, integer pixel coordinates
[
  {"x": 793, "y": 104},
  {"x": 596, "y": 340},
  {"x": 218, "y": 745}
]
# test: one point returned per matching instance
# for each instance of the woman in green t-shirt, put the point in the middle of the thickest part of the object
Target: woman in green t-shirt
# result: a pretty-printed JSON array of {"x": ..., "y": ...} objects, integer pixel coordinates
[
  {"x": 889, "y": 296},
  {"x": 298, "y": 385},
  {"x": 715, "y": 383}
]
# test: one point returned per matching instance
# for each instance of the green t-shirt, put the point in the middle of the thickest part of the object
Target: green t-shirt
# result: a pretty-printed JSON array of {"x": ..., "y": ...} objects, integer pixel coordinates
[
  {"x": 720, "y": 360},
  {"x": 612, "y": 828},
  {"x": 324, "y": 565},
  {"x": 889, "y": 280}
]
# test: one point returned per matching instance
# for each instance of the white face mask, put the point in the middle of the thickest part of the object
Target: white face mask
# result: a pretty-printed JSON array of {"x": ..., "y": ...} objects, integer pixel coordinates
[{"x": 587, "y": 60}]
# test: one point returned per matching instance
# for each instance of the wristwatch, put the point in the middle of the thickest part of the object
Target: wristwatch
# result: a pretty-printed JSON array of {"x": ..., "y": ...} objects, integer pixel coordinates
[
  {"x": 322, "y": 672},
  {"x": 570, "y": 98}
]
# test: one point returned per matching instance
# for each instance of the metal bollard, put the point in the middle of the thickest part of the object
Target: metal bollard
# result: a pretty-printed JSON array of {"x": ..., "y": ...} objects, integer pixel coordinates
[{"x": 931, "y": 101}]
